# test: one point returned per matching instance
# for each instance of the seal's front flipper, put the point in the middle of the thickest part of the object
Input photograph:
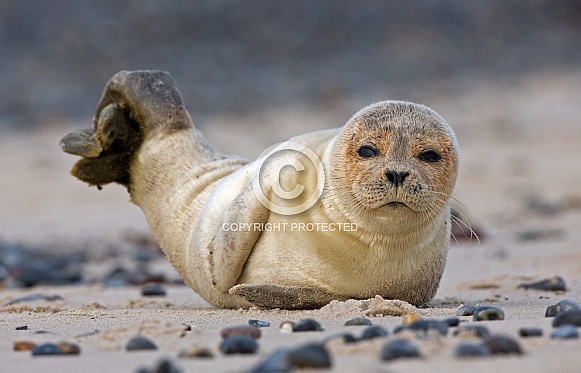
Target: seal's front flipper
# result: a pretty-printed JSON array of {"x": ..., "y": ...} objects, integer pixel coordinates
[
  {"x": 284, "y": 297},
  {"x": 231, "y": 248}
]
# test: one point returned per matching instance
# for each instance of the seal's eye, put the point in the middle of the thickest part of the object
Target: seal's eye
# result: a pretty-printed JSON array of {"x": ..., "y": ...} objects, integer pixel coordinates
[
  {"x": 429, "y": 156},
  {"x": 367, "y": 151}
]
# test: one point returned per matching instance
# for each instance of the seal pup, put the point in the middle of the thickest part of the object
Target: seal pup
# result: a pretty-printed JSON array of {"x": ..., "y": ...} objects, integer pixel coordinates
[{"x": 245, "y": 234}]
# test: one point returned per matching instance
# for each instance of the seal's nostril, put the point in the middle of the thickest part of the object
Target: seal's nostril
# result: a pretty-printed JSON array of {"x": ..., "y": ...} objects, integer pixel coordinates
[{"x": 396, "y": 178}]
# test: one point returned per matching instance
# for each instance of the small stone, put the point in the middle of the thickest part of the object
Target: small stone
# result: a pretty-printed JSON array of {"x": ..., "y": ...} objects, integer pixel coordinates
[
  {"x": 572, "y": 317},
  {"x": 530, "y": 332},
  {"x": 472, "y": 331},
  {"x": 566, "y": 331},
  {"x": 359, "y": 321},
  {"x": 346, "y": 337},
  {"x": 467, "y": 310},
  {"x": 499, "y": 344},
  {"x": 140, "y": 343},
  {"x": 247, "y": 330},
  {"x": 274, "y": 363},
  {"x": 562, "y": 306},
  {"x": 287, "y": 327},
  {"x": 187, "y": 327},
  {"x": 551, "y": 284},
  {"x": 399, "y": 349},
  {"x": 259, "y": 323},
  {"x": 307, "y": 325},
  {"x": 165, "y": 366},
  {"x": 196, "y": 352},
  {"x": 22, "y": 327},
  {"x": 310, "y": 356},
  {"x": 240, "y": 344},
  {"x": 410, "y": 318},
  {"x": 486, "y": 313},
  {"x": 425, "y": 328},
  {"x": 471, "y": 350},
  {"x": 46, "y": 349},
  {"x": 153, "y": 290},
  {"x": 23, "y": 346},
  {"x": 452, "y": 321},
  {"x": 374, "y": 331},
  {"x": 69, "y": 348}
]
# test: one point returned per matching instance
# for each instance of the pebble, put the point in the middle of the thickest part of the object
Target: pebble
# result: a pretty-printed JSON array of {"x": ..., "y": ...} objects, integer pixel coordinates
[
  {"x": 277, "y": 362},
  {"x": 562, "y": 306},
  {"x": 486, "y": 313},
  {"x": 153, "y": 290},
  {"x": 346, "y": 337},
  {"x": 399, "y": 349},
  {"x": 312, "y": 355},
  {"x": 530, "y": 332},
  {"x": 499, "y": 344},
  {"x": 452, "y": 321},
  {"x": 467, "y": 310},
  {"x": 23, "y": 346},
  {"x": 470, "y": 350},
  {"x": 374, "y": 331},
  {"x": 187, "y": 327},
  {"x": 307, "y": 325},
  {"x": 46, "y": 349},
  {"x": 140, "y": 343},
  {"x": 259, "y": 323},
  {"x": 410, "y": 318},
  {"x": 472, "y": 331},
  {"x": 566, "y": 331},
  {"x": 196, "y": 352},
  {"x": 551, "y": 284},
  {"x": 22, "y": 327},
  {"x": 358, "y": 321},
  {"x": 68, "y": 348},
  {"x": 247, "y": 330},
  {"x": 240, "y": 344},
  {"x": 35, "y": 297},
  {"x": 287, "y": 327},
  {"x": 572, "y": 317},
  {"x": 425, "y": 327},
  {"x": 162, "y": 366}
]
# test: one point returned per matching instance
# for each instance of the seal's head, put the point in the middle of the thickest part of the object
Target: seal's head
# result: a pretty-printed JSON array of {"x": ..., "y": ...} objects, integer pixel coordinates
[{"x": 398, "y": 162}]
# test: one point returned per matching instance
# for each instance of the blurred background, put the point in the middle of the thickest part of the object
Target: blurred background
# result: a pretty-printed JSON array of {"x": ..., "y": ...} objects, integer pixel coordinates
[{"x": 506, "y": 74}]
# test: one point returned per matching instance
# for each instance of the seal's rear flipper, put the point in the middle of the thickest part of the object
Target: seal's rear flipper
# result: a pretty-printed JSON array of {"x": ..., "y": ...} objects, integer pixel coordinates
[{"x": 284, "y": 297}]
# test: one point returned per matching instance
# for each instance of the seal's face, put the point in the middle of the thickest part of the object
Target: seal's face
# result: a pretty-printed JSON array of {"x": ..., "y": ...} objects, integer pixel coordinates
[{"x": 397, "y": 158}]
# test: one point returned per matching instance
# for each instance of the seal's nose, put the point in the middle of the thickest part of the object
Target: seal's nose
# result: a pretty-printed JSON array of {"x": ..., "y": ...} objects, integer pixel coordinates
[{"x": 396, "y": 178}]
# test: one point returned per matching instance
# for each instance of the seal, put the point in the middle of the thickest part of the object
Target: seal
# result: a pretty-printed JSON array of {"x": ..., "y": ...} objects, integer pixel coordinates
[{"x": 352, "y": 212}]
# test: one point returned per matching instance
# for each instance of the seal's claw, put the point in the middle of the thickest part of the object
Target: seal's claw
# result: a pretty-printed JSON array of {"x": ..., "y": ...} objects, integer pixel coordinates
[
  {"x": 81, "y": 143},
  {"x": 284, "y": 297}
]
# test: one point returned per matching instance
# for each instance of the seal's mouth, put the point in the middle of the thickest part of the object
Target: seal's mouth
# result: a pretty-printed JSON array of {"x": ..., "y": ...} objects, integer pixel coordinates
[{"x": 395, "y": 205}]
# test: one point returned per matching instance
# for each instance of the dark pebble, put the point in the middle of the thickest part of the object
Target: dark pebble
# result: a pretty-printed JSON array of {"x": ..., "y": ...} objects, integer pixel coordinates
[
  {"x": 399, "y": 349},
  {"x": 551, "y": 284},
  {"x": 22, "y": 327},
  {"x": 472, "y": 331},
  {"x": 452, "y": 321},
  {"x": 259, "y": 323},
  {"x": 240, "y": 344},
  {"x": 307, "y": 325},
  {"x": 572, "y": 317},
  {"x": 187, "y": 327},
  {"x": 310, "y": 356},
  {"x": 358, "y": 321},
  {"x": 499, "y": 344},
  {"x": 470, "y": 350},
  {"x": 425, "y": 327},
  {"x": 486, "y": 313},
  {"x": 140, "y": 343},
  {"x": 35, "y": 297},
  {"x": 277, "y": 362},
  {"x": 566, "y": 331},
  {"x": 374, "y": 331},
  {"x": 346, "y": 337},
  {"x": 166, "y": 366},
  {"x": 562, "y": 306},
  {"x": 530, "y": 332},
  {"x": 467, "y": 310},
  {"x": 153, "y": 290},
  {"x": 196, "y": 352},
  {"x": 89, "y": 334},
  {"x": 46, "y": 349},
  {"x": 247, "y": 330}
]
